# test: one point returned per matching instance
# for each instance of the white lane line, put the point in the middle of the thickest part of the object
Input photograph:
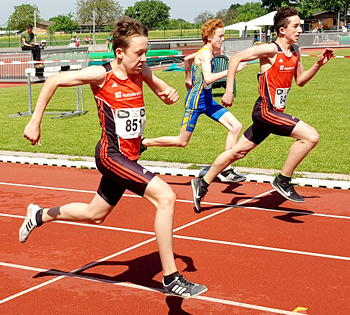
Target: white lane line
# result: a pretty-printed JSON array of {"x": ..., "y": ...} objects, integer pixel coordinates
[
  {"x": 76, "y": 270},
  {"x": 139, "y": 287},
  {"x": 274, "y": 249},
  {"x": 239, "y": 205}
]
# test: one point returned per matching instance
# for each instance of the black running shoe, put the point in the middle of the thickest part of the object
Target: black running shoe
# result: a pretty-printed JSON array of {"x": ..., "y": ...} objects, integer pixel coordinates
[
  {"x": 231, "y": 176},
  {"x": 286, "y": 189},
  {"x": 142, "y": 147},
  {"x": 183, "y": 288},
  {"x": 199, "y": 192}
]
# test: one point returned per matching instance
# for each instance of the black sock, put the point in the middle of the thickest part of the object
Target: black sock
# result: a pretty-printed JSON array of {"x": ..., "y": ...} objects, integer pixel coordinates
[
  {"x": 285, "y": 179},
  {"x": 39, "y": 217},
  {"x": 205, "y": 184},
  {"x": 169, "y": 278}
]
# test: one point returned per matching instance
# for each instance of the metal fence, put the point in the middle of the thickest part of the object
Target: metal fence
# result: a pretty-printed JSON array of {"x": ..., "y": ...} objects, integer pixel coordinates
[
  {"x": 324, "y": 39},
  {"x": 13, "y": 63}
]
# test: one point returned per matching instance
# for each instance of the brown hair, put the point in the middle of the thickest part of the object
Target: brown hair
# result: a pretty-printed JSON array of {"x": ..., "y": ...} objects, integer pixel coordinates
[
  {"x": 209, "y": 28},
  {"x": 124, "y": 29},
  {"x": 281, "y": 17}
]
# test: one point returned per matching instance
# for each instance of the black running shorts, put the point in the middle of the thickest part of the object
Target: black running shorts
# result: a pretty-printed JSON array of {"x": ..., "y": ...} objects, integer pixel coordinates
[
  {"x": 266, "y": 120},
  {"x": 118, "y": 174}
]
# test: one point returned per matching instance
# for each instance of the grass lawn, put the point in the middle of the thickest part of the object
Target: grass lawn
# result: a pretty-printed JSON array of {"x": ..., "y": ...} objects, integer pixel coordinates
[{"x": 323, "y": 103}]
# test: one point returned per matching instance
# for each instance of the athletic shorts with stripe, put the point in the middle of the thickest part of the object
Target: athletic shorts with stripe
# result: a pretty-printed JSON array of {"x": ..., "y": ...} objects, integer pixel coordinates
[
  {"x": 118, "y": 174},
  {"x": 267, "y": 120},
  {"x": 213, "y": 111}
]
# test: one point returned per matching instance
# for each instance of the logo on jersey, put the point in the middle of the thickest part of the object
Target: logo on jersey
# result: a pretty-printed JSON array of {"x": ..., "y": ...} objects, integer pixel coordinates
[
  {"x": 123, "y": 113},
  {"x": 281, "y": 60},
  {"x": 138, "y": 81},
  {"x": 114, "y": 85},
  {"x": 118, "y": 94}
]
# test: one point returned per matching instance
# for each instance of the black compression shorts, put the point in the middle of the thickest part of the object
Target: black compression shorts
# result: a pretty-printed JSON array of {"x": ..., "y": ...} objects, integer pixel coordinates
[
  {"x": 119, "y": 173},
  {"x": 266, "y": 120}
]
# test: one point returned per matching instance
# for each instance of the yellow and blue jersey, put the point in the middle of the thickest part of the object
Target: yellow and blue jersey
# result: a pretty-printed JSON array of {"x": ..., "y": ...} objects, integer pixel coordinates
[{"x": 199, "y": 95}]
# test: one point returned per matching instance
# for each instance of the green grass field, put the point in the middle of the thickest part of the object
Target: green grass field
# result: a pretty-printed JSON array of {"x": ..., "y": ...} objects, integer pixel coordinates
[{"x": 323, "y": 103}]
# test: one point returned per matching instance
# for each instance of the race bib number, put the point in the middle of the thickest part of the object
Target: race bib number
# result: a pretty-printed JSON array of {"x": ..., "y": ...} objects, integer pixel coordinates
[
  {"x": 130, "y": 122},
  {"x": 281, "y": 97}
]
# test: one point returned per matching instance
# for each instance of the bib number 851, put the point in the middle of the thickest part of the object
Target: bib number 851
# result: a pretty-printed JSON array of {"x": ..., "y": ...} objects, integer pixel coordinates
[{"x": 130, "y": 122}]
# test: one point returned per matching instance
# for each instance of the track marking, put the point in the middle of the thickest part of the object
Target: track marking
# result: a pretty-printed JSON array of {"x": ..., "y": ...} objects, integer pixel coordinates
[
  {"x": 239, "y": 205},
  {"x": 135, "y": 286},
  {"x": 77, "y": 270}
]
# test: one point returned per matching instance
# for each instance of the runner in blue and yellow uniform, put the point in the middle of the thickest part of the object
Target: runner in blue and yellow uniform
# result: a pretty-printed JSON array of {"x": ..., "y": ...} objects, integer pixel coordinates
[{"x": 199, "y": 99}]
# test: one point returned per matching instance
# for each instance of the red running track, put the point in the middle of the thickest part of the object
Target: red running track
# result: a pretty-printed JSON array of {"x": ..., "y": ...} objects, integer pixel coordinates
[{"x": 256, "y": 252}]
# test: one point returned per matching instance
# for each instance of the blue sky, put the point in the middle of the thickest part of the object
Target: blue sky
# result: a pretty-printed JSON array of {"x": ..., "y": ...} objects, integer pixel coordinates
[{"x": 186, "y": 10}]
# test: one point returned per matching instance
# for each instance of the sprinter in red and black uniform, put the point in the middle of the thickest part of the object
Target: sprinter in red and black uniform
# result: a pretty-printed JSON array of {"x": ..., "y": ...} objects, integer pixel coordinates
[
  {"x": 117, "y": 87},
  {"x": 279, "y": 63}
]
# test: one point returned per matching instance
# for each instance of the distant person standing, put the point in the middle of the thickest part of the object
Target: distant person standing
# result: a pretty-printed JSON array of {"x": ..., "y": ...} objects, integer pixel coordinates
[
  {"x": 43, "y": 44},
  {"x": 27, "y": 42}
]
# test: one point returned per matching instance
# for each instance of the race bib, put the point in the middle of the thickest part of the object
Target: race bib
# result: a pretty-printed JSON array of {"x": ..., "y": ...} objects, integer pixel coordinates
[
  {"x": 130, "y": 122},
  {"x": 281, "y": 97}
]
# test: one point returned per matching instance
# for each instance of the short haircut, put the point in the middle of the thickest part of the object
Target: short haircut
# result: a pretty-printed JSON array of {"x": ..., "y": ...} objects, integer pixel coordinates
[
  {"x": 125, "y": 29},
  {"x": 281, "y": 17},
  {"x": 29, "y": 26},
  {"x": 209, "y": 28}
]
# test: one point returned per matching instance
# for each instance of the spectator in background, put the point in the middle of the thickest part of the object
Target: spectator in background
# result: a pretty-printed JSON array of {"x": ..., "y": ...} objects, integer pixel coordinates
[
  {"x": 88, "y": 41},
  {"x": 108, "y": 42},
  {"x": 72, "y": 43},
  {"x": 43, "y": 44},
  {"x": 27, "y": 42}
]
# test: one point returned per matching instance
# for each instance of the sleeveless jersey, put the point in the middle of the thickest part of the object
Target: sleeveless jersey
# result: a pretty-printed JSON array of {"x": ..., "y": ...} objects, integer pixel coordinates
[
  {"x": 121, "y": 111},
  {"x": 275, "y": 83},
  {"x": 199, "y": 94}
]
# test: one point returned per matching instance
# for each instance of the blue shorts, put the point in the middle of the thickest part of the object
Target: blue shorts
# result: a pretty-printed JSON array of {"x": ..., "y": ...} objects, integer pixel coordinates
[{"x": 214, "y": 111}]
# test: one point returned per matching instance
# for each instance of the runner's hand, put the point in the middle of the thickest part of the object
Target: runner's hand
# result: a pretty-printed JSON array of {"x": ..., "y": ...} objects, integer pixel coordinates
[
  {"x": 242, "y": 65},
  {"x": 326, "y": 55},
  {"x": 170, "y": 94},
  {"x": 32, "y": 133},
  {"x": 227, "y": 99}
]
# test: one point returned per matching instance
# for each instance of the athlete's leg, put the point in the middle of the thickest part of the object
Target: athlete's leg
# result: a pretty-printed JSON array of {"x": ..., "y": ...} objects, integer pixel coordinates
[
  {"x": 169, "y": 141},
  {"x": 234, "y": 127},
  {"x": 94, "y": 212},
  {"x": 237, "y": 152},
  {"x": 306, "y": 139},
  {"x": 162, "y": 196},
  {"x": 188, "y": 124}
]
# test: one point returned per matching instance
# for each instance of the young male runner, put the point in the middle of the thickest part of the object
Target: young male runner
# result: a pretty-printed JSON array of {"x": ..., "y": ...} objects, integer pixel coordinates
[
  {"x": 279, "y": 63},
  {"x": 117, "y": 87},
  {"x": 199, "y": 98}
]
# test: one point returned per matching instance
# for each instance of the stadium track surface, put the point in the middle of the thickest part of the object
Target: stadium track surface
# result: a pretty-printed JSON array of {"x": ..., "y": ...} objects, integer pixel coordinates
[{"x": 322, "y": 180}]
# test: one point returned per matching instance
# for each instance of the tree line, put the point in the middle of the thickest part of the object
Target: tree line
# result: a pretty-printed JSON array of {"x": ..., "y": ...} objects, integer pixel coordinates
[{"x": 155, "y": 14}]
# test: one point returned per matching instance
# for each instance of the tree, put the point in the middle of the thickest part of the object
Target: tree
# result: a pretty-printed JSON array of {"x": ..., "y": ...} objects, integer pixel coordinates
[
  {"x": 63, "y": 23},
  {"x": 249, "y": 11},
  {"x": 106, "y": 11},
  {"x": 227, "y": 16},
  {"x": 23, "y": 15},
  {"x": 151, "y": 13},
  {"x": 203, "y": 17},
  {"x": 336, "y": 5}
]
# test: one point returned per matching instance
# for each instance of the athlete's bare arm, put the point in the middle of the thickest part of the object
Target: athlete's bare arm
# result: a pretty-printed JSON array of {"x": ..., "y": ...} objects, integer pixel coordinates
[
  {"x": 301, "y": 76},
  {"x": 204, "y": 57},
  {"x": 188, "y": 61},
  {"x": 165, "y": 92},
  {"x": 266, "y": 53},
  {"x": 94, "y": 75}
]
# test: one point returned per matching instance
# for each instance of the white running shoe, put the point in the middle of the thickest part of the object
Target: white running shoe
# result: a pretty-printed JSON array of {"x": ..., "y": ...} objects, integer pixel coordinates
[{"x": 29, "y": 223}]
